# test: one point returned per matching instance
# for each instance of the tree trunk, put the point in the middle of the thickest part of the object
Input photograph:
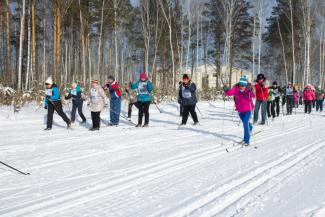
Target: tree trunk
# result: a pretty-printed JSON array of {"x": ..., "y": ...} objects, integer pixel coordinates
[
  {"x": 8, "y": 45},
  {"x": 33, "y": 68},
  {"x": 21, "y": 40}
]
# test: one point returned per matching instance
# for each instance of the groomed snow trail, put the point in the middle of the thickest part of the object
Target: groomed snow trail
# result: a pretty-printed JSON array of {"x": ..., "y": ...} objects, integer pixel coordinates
[{"x": 162, "y": 170}]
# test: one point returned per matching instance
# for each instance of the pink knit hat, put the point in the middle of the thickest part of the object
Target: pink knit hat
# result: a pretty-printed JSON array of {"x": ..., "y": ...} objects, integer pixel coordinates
[{"x": 143, "y": 76}]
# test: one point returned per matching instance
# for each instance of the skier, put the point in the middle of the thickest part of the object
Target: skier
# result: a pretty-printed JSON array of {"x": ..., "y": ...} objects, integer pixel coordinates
[
  {"x": 132, "y": 99},
  {"x": 98, "y": 101},
  {"x": 276, "y": 93},
  {"x": 244, "y": 105},
  {"x": 115, "y": 100},
  {"x": 309, "y": 97},
  {"x": 290, "y": 98},
  {"x": 76, "y": 95},
  {"x": 53, "y": 103},
  {"x": 261, "y": 98},
  {"x": 296, "y": 96},
  {"x": 144, "y": 89},
  {"x": 319, "y": 99},
  {"x": 271, "y": 104},
  {"x": 187, "y": 98}
]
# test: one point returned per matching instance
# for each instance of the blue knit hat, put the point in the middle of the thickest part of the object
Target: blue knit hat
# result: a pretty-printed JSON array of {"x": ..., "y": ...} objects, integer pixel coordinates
[{"x": 243, "y": 81}]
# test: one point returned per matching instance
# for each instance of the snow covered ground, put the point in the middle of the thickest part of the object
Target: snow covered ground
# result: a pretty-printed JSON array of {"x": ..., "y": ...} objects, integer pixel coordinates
[{"x": 162, "y": 170}]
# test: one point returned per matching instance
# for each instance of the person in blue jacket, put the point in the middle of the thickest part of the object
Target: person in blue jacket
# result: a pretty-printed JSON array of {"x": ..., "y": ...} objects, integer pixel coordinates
[
  {"x": 187, "y": 98},
  {"x": 115, "y": 100},
  {"x": 144, "y": 89},
  {"x": 76, "y": 95},
  {"x": 53, "y": 103}
]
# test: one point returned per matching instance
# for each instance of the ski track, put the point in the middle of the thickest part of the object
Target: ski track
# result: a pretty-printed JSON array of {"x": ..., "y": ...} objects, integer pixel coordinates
[{"x": 170, "y": 165}]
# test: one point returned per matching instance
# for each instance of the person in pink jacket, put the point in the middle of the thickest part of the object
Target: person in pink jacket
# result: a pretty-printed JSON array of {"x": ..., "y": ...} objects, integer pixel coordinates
[
  {"x": 296, "y": 96},
  {"x": 309, "y": 97},
  {"x": 244, "y": 104}
]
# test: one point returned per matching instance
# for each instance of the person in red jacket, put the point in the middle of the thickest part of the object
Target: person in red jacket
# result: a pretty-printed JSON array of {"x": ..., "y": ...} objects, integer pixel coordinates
[
  {"x": 262, "y": 94},
  {"x": 115, "y": 100},
  {"x": 309, "y": 97}
]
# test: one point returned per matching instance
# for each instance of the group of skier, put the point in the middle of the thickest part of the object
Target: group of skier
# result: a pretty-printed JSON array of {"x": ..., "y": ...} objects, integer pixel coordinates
[
  {"x": 268, "y": 100},
  {"x": 98, "y": 101}
]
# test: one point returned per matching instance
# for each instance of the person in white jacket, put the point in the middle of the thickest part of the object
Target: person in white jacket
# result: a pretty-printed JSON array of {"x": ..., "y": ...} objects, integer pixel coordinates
[{"x": 98, "y": 100}]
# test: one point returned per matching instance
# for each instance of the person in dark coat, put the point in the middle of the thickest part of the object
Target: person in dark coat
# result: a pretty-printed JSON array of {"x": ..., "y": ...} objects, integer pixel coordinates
[
  {"x": 187, "y": 98},
  {"x": 77, "y": 102},
  {"x": 277, "y": 92},
  {"x": 53, "y": 103},
  {"x": 290, "y": 98}
]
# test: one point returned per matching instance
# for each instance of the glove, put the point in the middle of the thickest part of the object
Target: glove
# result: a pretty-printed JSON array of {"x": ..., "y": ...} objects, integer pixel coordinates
[
  {"x": 225, "y": 88},
  {"x": 45, "y": 107}
]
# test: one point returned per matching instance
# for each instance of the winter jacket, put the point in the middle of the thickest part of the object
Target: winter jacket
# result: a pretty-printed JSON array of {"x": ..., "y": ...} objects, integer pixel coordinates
[
  {"x": 52, "y": 94},
  {"x": 114, "y": 90},
  {"x": 187, "y": 94},
  {"x": 262, "y": 92},
  {"x": 244, "y": 100},
  {"x": 75, "y": 95},
  {"x": 319, "y": 94},
  {"x": 276, "y": 91},
  {"x": 270, "y": 95},
  {"x": 143, "y": 89},
  {"x": 98, "y": 99},
  {"x": 289, "y": 91},
  {"x": 309, "y": 95},
  {"x": 296, "y": 96}
]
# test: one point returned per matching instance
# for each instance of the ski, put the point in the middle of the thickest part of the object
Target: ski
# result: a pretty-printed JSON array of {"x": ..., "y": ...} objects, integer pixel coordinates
[{"x": 242, "y": 142}]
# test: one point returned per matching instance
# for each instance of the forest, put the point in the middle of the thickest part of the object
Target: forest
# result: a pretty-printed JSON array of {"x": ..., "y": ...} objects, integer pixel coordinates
[{"x": 81, "y": 40}]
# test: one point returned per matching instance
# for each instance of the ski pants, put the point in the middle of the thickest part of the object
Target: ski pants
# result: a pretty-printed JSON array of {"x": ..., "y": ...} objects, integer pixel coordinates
[
  {"x": 308, "y": 106},
  {"x": 131, "y": 104},
  {"x": 115, "y": 110},
  {"x": 95, "y": 117},
  {"x": 55, "y": 106},
  {"x": 77, "y": 105},
  {"x": 143, "y": 110},
  {"x": 290, "y": 104},
  {"x": 248, "y": 127},
  {"x": 277, "y": 105},
  {"x": 271, "y": 109},
  {"x": 186, "y": 111},
  {"x": 260, "y": 104},
  {"x": 319, "y": 105}
]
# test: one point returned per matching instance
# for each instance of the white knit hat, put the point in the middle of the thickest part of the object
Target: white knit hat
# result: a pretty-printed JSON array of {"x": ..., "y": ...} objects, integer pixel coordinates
[{"x": 49, "y": 81}]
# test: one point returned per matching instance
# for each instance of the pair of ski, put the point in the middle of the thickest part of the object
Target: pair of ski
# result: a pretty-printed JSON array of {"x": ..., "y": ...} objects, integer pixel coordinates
[{"x": 242, "y": 143}]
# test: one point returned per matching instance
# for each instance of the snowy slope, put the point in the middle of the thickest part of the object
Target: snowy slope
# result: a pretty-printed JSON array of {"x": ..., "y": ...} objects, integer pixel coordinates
[{"x": 163, "y": 170}]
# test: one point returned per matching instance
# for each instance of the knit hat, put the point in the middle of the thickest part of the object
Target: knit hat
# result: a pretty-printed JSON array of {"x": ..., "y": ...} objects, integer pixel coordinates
[
  {"x": 49, "y": 81},
  {"x": 243, "y": 81},
  {"x": 260, "y": 77},
  {"x": 186, "y": 77},
  {"x": 111, "y": 77},
  {"x": 275, "y": 83},
  {"x": 95, "y": 82},
  {"x": 143, "y": 76}
]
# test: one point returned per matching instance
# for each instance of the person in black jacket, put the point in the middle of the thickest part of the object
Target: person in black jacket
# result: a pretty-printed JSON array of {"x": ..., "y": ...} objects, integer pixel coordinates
[
  {"x": 187, "y": 98},
  {"x": 277, "y": 92},
  {"x": 76, "y": 95}
]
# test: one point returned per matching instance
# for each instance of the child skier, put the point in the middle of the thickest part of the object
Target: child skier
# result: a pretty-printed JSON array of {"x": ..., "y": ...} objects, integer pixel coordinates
[
  {"x": 132, "y": 99},
  {"x": 261, "y": 98},
  {"x": 276, "y": 93},
  {"x": 187, "y": 98},
  {"x": 271, "y": 104},
  {"x": 296, "y": 96},
  {"x": 115, "y": 100},
  {"x": 144, "y": 89},
  {"x": 98, "y": 100},
  {"x": 53, "y": 103},
  {"x": 309, "y": 97},
  {"x": 76, "y": 95},
  {"x": 244, "y": 105}
]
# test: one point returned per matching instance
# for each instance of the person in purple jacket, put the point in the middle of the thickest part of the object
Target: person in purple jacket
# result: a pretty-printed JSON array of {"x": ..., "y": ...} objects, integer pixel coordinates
[{"x": 244, "y": 95}]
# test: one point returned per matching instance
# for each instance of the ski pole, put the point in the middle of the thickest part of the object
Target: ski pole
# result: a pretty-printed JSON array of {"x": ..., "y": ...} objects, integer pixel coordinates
[
  {"x": 198, "y": 109},
  {"x": 14, "y": 168},
  {"x": 157, "y": 107},
  {"x": 122, "y": 116}
]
